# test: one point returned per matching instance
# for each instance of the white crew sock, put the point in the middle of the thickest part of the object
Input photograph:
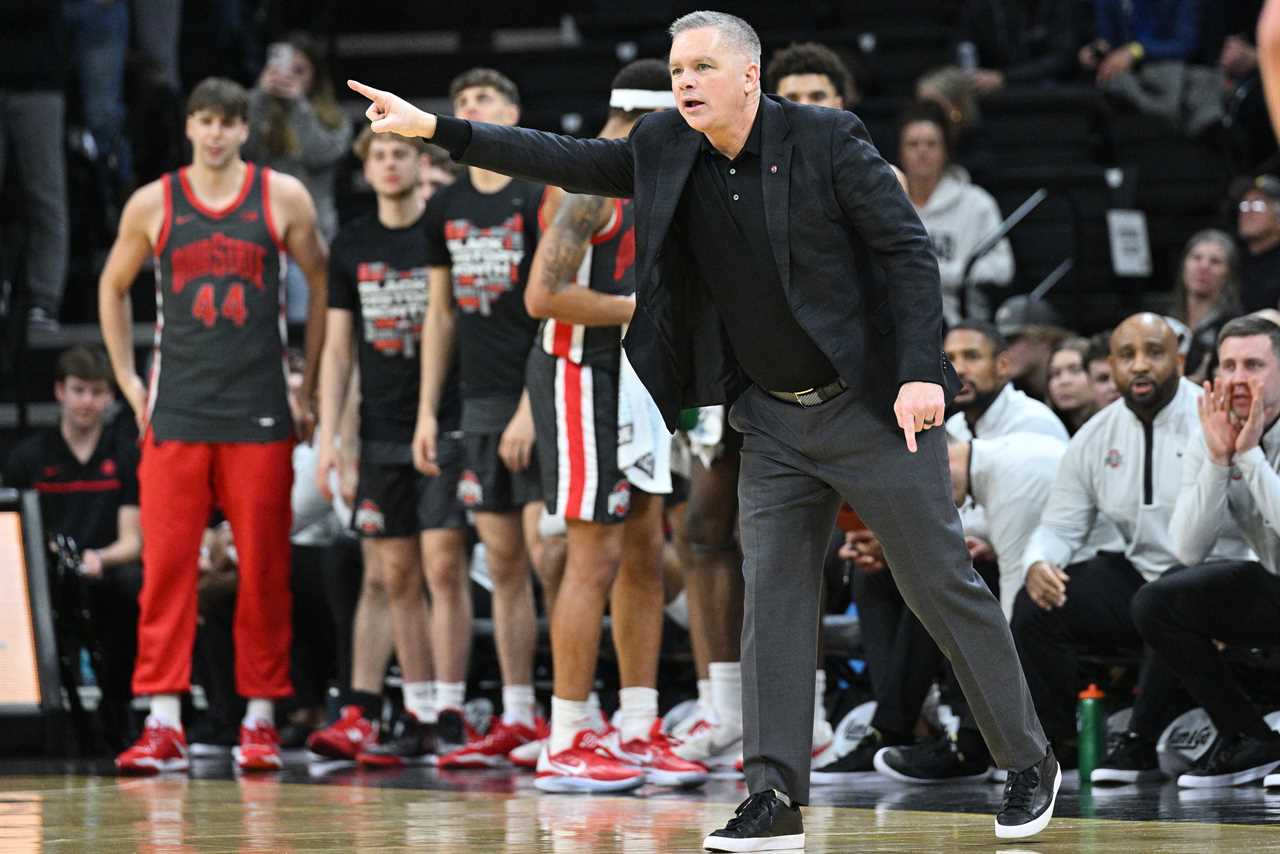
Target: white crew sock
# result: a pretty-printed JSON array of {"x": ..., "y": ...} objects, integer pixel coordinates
[
  {"x": 420, "y": 700},
  {"x": 820, "y": 725},
  {"x": 638, "y": 708},
  {"x": 599, "y": 722},
  {"x": 568, "y": 718},
  {"x": 166, "y": 709},
  {"x": 450, "y": 695},
  {"x": 517, "y": 705},
  {"x": 726, "y": 692},
  {"x": 259, "y": 711},
  {"x": 706, "y": 708}
]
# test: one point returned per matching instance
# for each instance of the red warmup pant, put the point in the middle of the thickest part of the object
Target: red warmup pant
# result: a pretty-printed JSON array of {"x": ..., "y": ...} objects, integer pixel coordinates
[{"x": 179, "y": 483}]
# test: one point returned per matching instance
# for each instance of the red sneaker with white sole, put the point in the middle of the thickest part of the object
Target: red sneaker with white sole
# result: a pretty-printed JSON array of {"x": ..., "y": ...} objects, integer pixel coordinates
[
  {"x": 351, "y": 733},
  {"x": 259, "y": 748},
  {"x": 160, "y": 748},
  {"x": 661, "y": 766},
  {"x": 526, "y": 755},
  {"x": 583, "y": 768},
  {"x": 490, "y": 751}
]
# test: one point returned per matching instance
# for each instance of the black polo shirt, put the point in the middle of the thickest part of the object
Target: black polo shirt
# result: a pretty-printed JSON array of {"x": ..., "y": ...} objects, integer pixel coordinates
[
  {"x": 720, "y": 220},
  {"x": 81, "y": 500}
]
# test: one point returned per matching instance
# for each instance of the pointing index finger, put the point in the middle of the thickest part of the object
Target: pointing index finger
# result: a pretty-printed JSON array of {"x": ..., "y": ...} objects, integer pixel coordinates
[{"x": 368, "y": 91}]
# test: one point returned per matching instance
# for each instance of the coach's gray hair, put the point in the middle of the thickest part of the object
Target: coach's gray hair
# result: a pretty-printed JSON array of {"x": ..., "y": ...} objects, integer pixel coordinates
[{"x": 738, "y": 34}]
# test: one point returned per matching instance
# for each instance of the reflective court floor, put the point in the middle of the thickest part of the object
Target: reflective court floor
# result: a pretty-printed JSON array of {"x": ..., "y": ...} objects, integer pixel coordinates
[{"x": 49, "y": 806}]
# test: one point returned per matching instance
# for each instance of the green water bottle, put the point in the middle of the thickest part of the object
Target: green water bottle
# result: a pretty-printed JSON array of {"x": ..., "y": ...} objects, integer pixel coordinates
[{"x": 1091, "y": 728}]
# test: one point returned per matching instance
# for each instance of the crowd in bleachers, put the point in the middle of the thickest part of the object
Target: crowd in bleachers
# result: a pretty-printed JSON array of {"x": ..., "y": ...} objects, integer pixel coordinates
[{"x": 1113, "y": 447}]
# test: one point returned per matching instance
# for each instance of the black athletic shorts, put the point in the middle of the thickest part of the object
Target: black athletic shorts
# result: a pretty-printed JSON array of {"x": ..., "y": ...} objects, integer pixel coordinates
[{"x": 393, "y": 499}]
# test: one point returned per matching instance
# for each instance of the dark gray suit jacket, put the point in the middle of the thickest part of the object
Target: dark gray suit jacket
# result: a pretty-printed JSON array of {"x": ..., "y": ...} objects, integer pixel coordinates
[{"x": 855, "y": 261}]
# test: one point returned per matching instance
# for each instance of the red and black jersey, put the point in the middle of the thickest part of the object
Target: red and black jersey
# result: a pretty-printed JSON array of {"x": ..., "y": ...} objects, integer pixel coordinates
[
  {"x": 218, "y": 370},
  {"x": 607, "y": 267},
  {"x": 79, "y": 499}
]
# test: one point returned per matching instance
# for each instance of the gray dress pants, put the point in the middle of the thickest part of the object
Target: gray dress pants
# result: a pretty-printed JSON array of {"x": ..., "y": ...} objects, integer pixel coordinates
[{"x": 797, "y": 463}]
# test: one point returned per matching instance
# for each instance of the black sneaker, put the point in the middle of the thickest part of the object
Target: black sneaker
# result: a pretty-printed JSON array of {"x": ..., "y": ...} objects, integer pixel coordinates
[
  {"x": 931, "y": 763},
  {"x": 1131, "y": 760},
  {"x": 452, "y": 731},
  {"x": 410, "y": 742},
  {"x": 860, "y": 760},
  {"x": 765, "y": 821},
  {"x": 1028, "y": 799},
  {"x": 1234, "y": 760}
]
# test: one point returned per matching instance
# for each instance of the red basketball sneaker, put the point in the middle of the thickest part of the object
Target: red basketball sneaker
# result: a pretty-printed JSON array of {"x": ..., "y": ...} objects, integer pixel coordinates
[
  {"x": 159, "y": 748},
  {"x": 661, "y": 766},
  {"x": 491, "y": 750},
  {"x": 582, "y": 768},
  {"x": 526, "y": 755},
  {"x": 259, "y": 748},
  {"x": 345, "y": 737}
]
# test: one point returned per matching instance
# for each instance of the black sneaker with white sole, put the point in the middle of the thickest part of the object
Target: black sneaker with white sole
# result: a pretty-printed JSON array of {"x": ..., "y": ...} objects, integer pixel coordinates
[
  {"x": 1233, "y": 761},
  {"x": 765, "y": 821},
  {"x": 1029, "y": 796},
  {"x": 860, "y": 760},
  {"x": 1131, "y": 760},
  {"x": 932, "y": 763}
]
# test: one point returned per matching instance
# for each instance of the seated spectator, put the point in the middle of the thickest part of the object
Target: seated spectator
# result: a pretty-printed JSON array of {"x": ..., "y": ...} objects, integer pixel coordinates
[
  {"x": 1033, "y": 330},
  {"x": 1249, "y": 139},
  {"x": 1124, "y": 464},
  {"x": 32, "y": 113},
  {"x": 1098, "y": 361},
  {"x": 1018, "y": 42},
  {"x": 1142, "y": 54},
  {"x": 987, "y": 404},
  {"x": 1258, "y": 227},
  {"x": 1229, "y": 478},
  {"x": 958, "y": 215},
  {"x": 811, "y": 73},
  {"x": 953, "y": 91},
  {"x": 85, "y": 471},
  {"x": 296, "y": 127},
  {"x": 1071, "y": 393},
  {"x": 1205, "y": 296}
]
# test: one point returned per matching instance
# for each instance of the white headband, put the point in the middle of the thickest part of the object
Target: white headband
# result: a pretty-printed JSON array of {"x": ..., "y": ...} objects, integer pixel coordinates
[{"x": 642, "y": 99}]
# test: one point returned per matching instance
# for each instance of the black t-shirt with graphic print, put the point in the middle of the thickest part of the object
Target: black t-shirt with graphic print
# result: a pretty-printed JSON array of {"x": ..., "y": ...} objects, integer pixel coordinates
[
  {"x": 488, "y": 240},
  {"x": 379, "y": 274}
]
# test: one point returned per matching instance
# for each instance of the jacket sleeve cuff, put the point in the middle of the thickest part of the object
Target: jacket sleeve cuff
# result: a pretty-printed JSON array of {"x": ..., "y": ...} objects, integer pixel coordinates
[
  {"x": 453, "y": 135},
  {"x": 1250, "y": 460}
]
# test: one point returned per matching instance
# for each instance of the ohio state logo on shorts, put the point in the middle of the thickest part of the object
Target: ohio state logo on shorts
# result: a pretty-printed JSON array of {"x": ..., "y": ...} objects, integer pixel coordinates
[
  {"x": 369, "y": 518},
  {"x": 619, "y": 502},
  {"x": 470, "y": 493}
]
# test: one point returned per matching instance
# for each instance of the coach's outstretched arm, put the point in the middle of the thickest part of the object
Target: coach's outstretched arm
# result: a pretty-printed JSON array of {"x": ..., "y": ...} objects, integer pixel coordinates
[{"x": 599, "y": 167}]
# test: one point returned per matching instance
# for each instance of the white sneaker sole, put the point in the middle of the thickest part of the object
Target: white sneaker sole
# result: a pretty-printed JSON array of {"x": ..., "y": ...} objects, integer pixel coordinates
[
  {"x": 794, "y": 842},
  {"x": 1114, "y": 775},
  {"x": 1271, "y": 781},
  {"x": 475, "y": 762},
  {"x": 1031, "y": 828},
  {"x": 884, "y": 768},
  {"x": 1192, "y": 781},
  {"x": 836, "y": 778},
  {"x": 581, "y": 785},
  {"x": 676, "y": 779},
  {"x": 155, "y": 766}
]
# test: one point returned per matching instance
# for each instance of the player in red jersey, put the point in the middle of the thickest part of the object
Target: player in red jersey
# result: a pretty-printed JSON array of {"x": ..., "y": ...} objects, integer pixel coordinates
[{"x": 217, "y": 422}]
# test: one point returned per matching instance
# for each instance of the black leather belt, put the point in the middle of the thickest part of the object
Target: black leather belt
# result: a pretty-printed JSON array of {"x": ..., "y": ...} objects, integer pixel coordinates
[{"x": 810, "y": 396}]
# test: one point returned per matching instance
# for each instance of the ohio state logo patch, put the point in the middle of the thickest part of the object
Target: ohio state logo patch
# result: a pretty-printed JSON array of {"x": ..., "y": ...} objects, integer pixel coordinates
[
  {"x": 369, "y": 518},
  {"x": 1113, "y": 459},
  {"x": 619, "y": 503},
  {"x": 108, "y": 468},
  {"x": 470, "y": 493}
]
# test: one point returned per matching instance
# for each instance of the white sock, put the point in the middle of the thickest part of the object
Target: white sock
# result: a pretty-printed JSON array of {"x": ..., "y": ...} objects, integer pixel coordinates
[
  {"x": 259, "y": 712},
  {"x": 517, "y": 705},
  {"x": 451, "y": 695},
  {"x": 726, "y": 692},
  {"x": 568, "y": 718},
  {"x": 639, "y": 709},
  {"x": 705, "y": 705},
  {"x": 420, "y": 700},
  {"x": 167, "y": 710},
  {"x": 599, "y": 722}
]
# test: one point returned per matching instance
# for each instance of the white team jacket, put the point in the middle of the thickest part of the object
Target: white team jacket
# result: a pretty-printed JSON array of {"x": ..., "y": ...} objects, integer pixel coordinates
[
  {"x": 1245, "y": 493},
  {"x": 1130, "y": 472}
]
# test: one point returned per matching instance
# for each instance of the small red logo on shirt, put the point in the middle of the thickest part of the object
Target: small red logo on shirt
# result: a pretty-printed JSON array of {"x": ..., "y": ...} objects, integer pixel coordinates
[
  {"x": 249, "y": 216},
  {"x": 108, "y": 468},
  {"x": 1113, "y": 459},
  {"x": 182, "y": 219},
  {"x": 50, "y": 471}
]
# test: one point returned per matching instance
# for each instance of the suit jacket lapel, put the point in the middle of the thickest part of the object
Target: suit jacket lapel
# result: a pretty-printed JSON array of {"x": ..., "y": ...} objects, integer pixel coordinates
[
  {"x": 775, "y": 183},
  {"x": 678, "y": 156}
]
